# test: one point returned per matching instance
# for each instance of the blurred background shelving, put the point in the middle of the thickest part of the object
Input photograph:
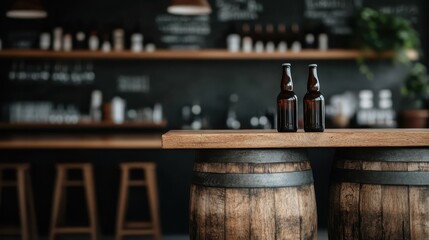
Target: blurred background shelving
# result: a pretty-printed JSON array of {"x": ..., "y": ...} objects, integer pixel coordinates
[{"x": 331, "y": 54}]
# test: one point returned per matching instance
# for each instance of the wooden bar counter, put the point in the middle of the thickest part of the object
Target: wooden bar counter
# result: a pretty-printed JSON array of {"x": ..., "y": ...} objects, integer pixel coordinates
[
  {"x": 258, "y": 184},
  {"x": 272, "y": 139}
]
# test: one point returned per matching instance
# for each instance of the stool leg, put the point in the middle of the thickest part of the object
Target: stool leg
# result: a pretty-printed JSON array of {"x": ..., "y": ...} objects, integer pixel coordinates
[
  {"x": 122, "y": 204},
  {"x": 90, "y": 197},
  {"x": 56, "y": 202},
  {"x": 1, "y": 186},
  {"x": 33, "y": 221},
  {"x": 153, "y": 203},
  {"x": 61, "y": 216},
  {"x": 22, "y": 205}
]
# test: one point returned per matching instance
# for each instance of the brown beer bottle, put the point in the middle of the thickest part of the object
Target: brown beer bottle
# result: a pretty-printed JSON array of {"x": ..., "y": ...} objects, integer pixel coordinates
[
  {"x": 287, "y": 103},
  {"x": 314, "y": 103}
]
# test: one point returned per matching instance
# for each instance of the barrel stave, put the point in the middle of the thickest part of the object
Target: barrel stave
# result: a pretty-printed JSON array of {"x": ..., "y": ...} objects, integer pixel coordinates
[
  {"x": 395, "y": 207},
  {"x": 371, "y": 206},
  {"x": 237, "y": 202},
  {"x": 288, "y": 224},
  {"x": 419, "y": 206},
  {"x": 385, "y": 211},
  {"x": 216, "y": 206},
  {"x": 262, "y": 223},
  {"x": 253, "y": 213}
]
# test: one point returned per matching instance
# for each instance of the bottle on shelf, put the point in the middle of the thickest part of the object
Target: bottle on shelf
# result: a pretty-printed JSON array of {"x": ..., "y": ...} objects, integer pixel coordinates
[
  {"x": 366, "y": 108},
  {"x": 118, "y": 110},
  {"x": 67, "y": 42},
  {"x": 137, "y": 39},
  {"x": 231, "y": 118},
  {"x": 118, "y": 39},
  {"x": 386, "y": 116},
  {"x": 197, "y": 121},
  {"x": 57, "y": 39},
  {"x": 270, "y": 47},
  {"x": 106, "y": 46},
  {"x": 157, "y": 113},
  {"x": 258, "y": 38},
  {"x": 281, "y": 38},
  {"x": 233, "y": 39},
  {"x": 323, "y": 39},
  {"x": 247, "y": 41},
  {"x": 45, "y": 39},
  {"x": 296, "y": 45},
  {"x": 310, "y": 36},
  {"x": 287, "y": 103},
  {"x": 93, "y": 41},
  {"x": 233, "y": 42},
  {"x": 314, "y": 103},
  {"x": 137, "y": 42},
  {"x": 150, "y": 47},
  {"x": 80, "y": 38},
  {"x": 95, "y": 108}
]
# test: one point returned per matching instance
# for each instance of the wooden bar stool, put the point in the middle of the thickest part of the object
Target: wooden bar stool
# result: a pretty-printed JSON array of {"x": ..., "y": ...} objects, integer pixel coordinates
[
  {"x": 27, "y": 213},
  {"x": 124, "y": 228},
  {"x": 58, "y": 211}
]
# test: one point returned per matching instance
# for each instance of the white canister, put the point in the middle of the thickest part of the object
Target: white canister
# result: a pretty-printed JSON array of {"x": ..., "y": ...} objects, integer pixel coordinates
[
  {"x": 137, "y": 42},
  {"x": 93, "y": 42},
  {"x": 118, "y": 110},
  {"x": 45, "y": 41},
  {"x": 233, "y": 42},
  {"x": 58, "y": 39},
  {"x": 67, "y": 42},
  {"x": 323, "y": 42}
]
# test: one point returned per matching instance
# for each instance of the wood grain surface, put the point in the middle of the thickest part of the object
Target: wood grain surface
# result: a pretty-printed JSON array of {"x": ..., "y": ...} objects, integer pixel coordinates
[
  {"x": 82, "y": 142},
  {"x": 210, "y": 54},
  {"x": 379, "y": 211},
  {"x": 252, "y": 213},
  {"x": 209, "y": 139},
  {"x": 84, "y": 125}
]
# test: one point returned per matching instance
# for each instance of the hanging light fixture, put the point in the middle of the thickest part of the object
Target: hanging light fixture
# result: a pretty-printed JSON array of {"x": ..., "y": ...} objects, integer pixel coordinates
[
  {"x": 26, "y": 9},
  {"x": 189, "y": 7}
]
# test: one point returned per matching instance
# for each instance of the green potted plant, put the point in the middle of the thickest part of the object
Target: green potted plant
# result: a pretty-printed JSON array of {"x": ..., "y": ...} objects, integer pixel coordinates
[
  {"x": 379, "y": 32},
  {"x": 415, "y": 91}
]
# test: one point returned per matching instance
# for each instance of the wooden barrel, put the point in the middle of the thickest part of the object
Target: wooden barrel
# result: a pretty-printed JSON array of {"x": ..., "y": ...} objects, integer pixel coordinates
[
  {"x": 380, "y": 193},
  {"x": 252, "y": 194}
]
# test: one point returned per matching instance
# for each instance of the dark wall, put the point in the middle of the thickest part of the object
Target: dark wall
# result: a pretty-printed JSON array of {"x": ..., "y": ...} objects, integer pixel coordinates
[{"x": 175, "y": 83}]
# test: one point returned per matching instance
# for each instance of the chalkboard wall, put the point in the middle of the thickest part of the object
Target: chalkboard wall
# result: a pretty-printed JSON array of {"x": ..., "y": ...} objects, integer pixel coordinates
[
  {"x": 175, "y": 83},
  {"x": 169, "y": 31}
]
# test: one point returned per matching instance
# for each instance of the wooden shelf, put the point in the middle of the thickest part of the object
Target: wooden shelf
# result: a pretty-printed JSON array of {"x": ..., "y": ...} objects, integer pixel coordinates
[
  {"x": 84, "y": 125},
  {"x": 208, "y": 139},
  {"x": 82, "y": 142},
  {"x": 200, "y": 55}
]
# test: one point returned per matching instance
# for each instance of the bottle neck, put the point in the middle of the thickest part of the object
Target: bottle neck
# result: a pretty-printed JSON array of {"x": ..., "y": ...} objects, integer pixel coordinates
[
  {"x": 313, "y": 81},
  {"x": 286, "y": 84}
]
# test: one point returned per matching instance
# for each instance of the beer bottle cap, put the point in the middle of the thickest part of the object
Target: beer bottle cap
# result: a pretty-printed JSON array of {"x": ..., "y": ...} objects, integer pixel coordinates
[
  {"x": 312, "y": 65},
  {"x": 286, "y": 64}
]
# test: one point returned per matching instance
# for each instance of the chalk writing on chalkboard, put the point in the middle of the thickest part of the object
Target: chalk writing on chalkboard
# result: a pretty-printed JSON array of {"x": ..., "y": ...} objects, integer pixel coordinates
[
  {"x": 408, "y": 11},
  {"x": 228, "y": 10},
  {"x": 133, "y": 83},
  {"x": 335, "y": 14},
  {"x": 183, "y": 32}
]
